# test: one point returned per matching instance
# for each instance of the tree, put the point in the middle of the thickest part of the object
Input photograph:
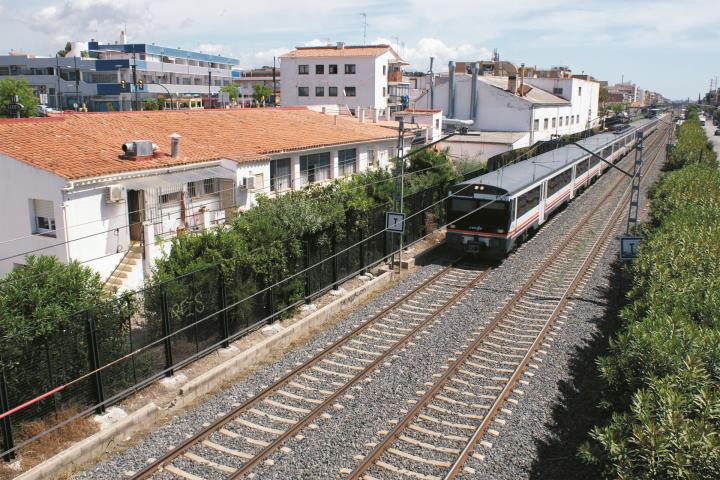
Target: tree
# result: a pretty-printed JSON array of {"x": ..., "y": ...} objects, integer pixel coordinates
[
  {"x": 603, "y": 95},
  {"x": 151, "y": 104},
  {"x": 230, "y": 90},
  {"x": 63, "y": 52},
  {"x": 21, "y": 88},
  {"x": 261, "y": 93},
  {"x": 38, "y": 299}
]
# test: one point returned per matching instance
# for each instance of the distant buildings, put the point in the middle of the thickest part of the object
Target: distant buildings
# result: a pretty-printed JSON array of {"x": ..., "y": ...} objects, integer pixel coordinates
[
  {"x": 245, "y": 81},
  {"x": 631, "y": 95},
  {"x": 120, "y": 76},
  {"x": 506, "y": 107},
  {"x": 368, "y": 76}
]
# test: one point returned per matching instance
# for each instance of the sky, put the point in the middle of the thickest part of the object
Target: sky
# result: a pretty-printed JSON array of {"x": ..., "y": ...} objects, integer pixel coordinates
[{"x": 670, "y": 46}]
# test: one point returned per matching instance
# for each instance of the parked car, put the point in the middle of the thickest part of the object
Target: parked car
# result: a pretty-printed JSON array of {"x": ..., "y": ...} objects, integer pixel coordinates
[
  {"x": 44, "y": 110},
  {"x": 717, "y": 132}
]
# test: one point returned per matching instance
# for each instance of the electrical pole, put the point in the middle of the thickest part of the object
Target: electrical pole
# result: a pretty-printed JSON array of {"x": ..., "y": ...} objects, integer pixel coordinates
[
  {"x": 635, "y": 193},
  {"x": 432, "y": 84},
  {"x": 399, "y": 200},
  {"x": 274, "y": 84},
  {"x": 209, "y": 84}
]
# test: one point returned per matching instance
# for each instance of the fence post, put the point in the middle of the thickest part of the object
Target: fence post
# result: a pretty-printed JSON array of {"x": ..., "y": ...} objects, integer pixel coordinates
[
  {"x": 6, "y": 424},
  {"x": 333, "y": 247},
  {"x": 166, "y": 330},
  {"x": 306, "y": 266},
  {"x": 222, "y": 301},
  {"x": 271, "y": 305},
  {"x": 94, "y": 355},
  {"x": 361, "y": 250}
]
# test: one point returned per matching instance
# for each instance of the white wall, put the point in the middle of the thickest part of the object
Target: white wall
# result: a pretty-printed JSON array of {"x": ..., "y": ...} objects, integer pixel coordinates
[
  {"x": 19, "y": 183},
  {"x": 368, "y": 81}
]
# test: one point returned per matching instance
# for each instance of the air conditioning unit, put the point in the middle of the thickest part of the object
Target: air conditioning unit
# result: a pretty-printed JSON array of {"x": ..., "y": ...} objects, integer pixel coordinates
[
  {"x": 115, "y": 194},
  {"x": 248, "y": 183}
]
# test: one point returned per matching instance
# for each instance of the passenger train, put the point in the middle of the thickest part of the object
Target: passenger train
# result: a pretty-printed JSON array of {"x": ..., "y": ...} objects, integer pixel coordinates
[{"x": 519, "y": 198}]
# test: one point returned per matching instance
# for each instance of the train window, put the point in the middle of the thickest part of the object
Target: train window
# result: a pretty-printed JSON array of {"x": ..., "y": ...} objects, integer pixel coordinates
[
  {"x": 581, "y": 168},
  {"x": 528, "y": 201},
  {"x": 463, "y": 205},
  {"x": 559, "y": 181}
]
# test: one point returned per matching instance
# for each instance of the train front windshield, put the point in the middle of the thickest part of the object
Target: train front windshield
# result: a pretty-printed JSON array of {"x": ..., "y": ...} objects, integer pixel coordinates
[{"x": 479, "y": 215}]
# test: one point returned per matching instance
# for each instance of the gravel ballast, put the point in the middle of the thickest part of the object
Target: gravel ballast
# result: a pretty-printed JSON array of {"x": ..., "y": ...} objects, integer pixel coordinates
[{"x": 353, "y": 424}]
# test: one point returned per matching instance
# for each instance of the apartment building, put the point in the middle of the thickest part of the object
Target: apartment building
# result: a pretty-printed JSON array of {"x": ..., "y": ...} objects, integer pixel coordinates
[
  {"x": 119, "y": 76},
  {"x": 367, "y": 76}
]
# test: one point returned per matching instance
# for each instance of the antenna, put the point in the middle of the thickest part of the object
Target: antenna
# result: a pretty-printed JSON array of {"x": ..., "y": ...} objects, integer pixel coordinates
[
  {"x": 397, "y": 41},
  {"x": 364, "y": 15}
]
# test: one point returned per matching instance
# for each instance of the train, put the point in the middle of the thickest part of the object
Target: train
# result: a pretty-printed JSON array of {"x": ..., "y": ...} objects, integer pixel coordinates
[{"x": 490, "y": 214}]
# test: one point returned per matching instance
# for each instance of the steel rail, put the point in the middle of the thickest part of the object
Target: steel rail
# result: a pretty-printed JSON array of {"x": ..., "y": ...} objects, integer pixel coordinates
[
  {"x": 393, "y": 434},
  {"x": 221, "y": 422},
  {"x": 599, "y": 244}
]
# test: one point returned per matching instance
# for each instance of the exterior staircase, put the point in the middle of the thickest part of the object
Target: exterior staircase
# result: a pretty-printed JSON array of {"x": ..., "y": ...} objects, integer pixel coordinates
[{"x": 130, "y": 262}]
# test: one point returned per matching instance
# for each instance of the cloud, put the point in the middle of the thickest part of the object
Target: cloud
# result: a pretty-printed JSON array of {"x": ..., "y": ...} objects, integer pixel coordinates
[
  {"x": 213, "y": 48},
  {"x": 418, "y": 55},
  {"x": 266, "y": 57}
]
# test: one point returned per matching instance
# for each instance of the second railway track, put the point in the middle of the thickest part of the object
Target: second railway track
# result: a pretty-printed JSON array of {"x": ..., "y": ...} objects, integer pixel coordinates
[
  {"x": 457, "y": 411},
  {"x": 238, "y": 441}
]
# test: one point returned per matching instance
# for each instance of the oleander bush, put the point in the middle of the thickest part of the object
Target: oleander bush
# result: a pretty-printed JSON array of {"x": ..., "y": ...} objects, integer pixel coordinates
[
  {"x": 662, "y": 371},
  {"x": 692, "y": 145}
]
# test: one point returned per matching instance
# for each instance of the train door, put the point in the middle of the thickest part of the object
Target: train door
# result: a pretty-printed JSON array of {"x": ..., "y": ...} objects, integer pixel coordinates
[{"x": 541, "y": 205}]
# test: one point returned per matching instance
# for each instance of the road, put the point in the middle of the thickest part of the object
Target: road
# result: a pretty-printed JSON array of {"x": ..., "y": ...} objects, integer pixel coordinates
[{"x": 714, "y": 139}]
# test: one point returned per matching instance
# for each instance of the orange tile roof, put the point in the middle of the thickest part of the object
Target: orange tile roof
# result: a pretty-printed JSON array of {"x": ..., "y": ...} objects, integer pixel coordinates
[
  {"x": 346, "y": 51},
  {"x": 88, "y": 144}
]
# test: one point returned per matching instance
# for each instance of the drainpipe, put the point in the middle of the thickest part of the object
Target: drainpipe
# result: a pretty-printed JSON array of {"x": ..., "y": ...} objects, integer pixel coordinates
[
  {"x": 532, "y": 124},
  {"x": 451, "y": 89},
  {"x": 473, "y": 91}
]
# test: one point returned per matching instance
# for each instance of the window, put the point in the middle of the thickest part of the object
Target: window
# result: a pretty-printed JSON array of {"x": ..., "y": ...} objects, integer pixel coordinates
[
  {"x": 346, "y": 161},
  {"x": 279, "y": 174},
  {"x": 303, "y": 69},
  {"x": 371, "y": 159},
  {"x": 332, "y": 91},
  {"x": 332, "y": 69},
  {"x": 349, "y": 68},
  {"x": 349, "y": 91},
  {"x": 43, "y": 217},
  {"x": 579, "y": 90},
  {"x": 319, "y": 91},
  {"x": 166, "y": 198},
  {"x": 572, "y": 120},
  {"x": 536, "y": 124},
  {"x": 567, "y": 120},
  {"x": 577, "y": 119},
  {"x": 527, "y": 201},
  {"x": 384, "y": 70},
  {"x": 259, "y": 181},
  {"x": 560, "y": 122},
  {"x": 559, "y": 181},
  {"x": 545, "y": 124},
  {"x": 581, "y": 168},
  {"x": 553, "y": 122},
  {"x": 209, "y": 185},
  {"x": 314, "y": 168},
  {"x": 303, "y": 91},
  {"x": 384, "y": 93},
  {"x": 437, "y": 123},
  {"x": 557, "y": 90},
  {"x": 319, "y": 69}
]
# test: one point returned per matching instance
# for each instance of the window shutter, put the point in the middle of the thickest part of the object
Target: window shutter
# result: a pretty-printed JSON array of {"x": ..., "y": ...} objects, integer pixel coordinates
[{"x": 44, "y": 208}]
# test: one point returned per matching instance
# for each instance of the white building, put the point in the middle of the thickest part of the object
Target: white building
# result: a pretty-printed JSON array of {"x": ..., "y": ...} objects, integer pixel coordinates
[
  {"x": 69, "y": 190},
  {"x": 524, "y": 110},
  {"x": 357, "y": 76}
]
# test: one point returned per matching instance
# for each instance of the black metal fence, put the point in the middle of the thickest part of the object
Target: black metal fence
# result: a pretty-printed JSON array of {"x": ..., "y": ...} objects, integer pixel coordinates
[{"x": 104, "y": 354}]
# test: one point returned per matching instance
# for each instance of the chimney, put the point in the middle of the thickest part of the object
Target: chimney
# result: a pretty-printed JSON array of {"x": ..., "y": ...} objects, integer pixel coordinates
[
  {"x": 362, "y": 115},
  {"x": 376, "y": 115},
  {"x": 175, "y": 145},
  {"x": 522, "y": 79},
  {"x": 473, "y": 90},
  {"x": 512, "y": 84},
  {"x": 340, "y": 45},
  {"x": 451, "y": 89}
]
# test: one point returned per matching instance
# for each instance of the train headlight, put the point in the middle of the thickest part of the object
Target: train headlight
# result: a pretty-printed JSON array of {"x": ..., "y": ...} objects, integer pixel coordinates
[{"x": 500, "y": 230}]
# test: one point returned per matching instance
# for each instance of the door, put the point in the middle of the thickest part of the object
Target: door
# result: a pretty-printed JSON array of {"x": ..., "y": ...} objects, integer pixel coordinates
[
  {"x": 541, "y": 206},
  {"x": 136, "y": 214}
]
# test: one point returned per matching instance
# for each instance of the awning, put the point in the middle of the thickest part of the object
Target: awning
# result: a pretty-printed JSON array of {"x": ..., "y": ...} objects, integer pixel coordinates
[{"x": 178, "y": 177}]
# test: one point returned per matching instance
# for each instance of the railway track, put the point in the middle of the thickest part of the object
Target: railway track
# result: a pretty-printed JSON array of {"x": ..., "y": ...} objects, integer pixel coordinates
[
  {"x": 238, "y": 441},
  {"x": 460, "y": 408}
]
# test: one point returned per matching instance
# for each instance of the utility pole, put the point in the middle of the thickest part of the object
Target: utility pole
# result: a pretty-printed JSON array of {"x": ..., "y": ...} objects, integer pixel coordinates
[
  {"x": 209, "y": 84},
  {"x": 432, "y": 84},
  {"x": 274, "y": 84},
  {"x": 399, "y": 200},
  {"x": 77, "y": 86},
  {"x": 635, "y": 193},
  {"x": 364, "y": 15}
]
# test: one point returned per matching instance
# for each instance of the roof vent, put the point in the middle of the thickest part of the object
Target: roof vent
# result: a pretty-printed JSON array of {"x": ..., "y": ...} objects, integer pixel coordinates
[{"x": 138, "y": 149}]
